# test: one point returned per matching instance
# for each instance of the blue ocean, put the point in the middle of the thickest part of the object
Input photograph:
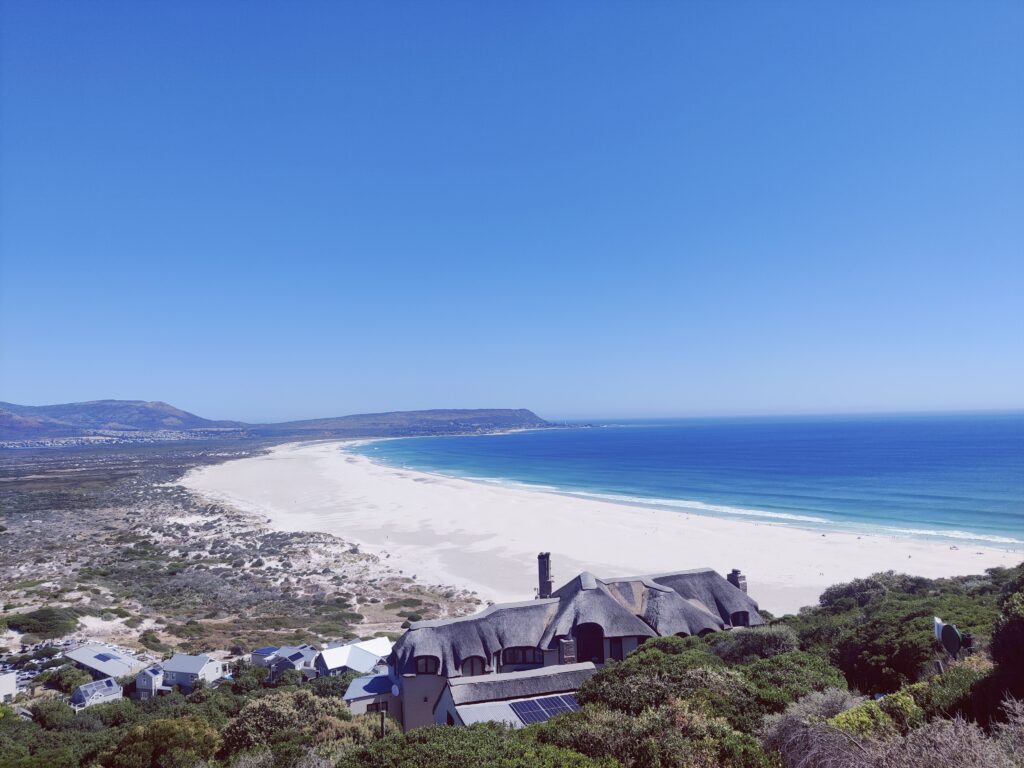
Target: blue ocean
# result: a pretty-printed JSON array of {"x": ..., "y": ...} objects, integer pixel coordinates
[{"x": 957, "y": 478}]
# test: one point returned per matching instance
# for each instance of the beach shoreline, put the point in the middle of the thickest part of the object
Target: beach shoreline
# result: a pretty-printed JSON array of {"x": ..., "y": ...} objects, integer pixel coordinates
[{"x": 485, "y": 536}]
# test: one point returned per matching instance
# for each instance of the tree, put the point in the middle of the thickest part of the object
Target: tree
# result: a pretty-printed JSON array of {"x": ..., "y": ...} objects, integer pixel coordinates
[
  {"x": 69, "y": 678},
  {"x": 743, "y": 645},
  {"x": 166, "y": 743}
]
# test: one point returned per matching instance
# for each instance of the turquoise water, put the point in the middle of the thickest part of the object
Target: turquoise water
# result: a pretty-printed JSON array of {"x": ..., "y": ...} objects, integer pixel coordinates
[{"x": 958, "y": 478}]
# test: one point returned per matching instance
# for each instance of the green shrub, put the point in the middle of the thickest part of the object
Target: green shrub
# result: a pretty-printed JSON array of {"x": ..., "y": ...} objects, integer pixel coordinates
[
  {"x": 45, "y": 622},
  {"x": 782, "y": 679},
  {"x": 671, "y": 736},
  {"x": 484, "y": 745},
  {"x": 865, "y": 719},
  {"x": 742, "y": 645}
]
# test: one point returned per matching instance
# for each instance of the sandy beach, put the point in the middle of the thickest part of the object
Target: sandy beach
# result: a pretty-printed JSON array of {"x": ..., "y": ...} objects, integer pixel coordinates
[{"x": 486, "y": 537}]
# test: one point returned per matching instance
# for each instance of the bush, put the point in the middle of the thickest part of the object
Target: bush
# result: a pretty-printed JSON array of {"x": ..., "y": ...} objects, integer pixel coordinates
[
  {"x": 783, "y": 679},
  {"x": 484, "y": 745},
  {"x": 743, "y": 645},
  {"x": 655, "y": 678},
  {"x": 672, "y": 736},
  {"x": 791, "y": 732},
  {"x": 171, "y": 743},
  {"x": 1008, "y": 637},
  {"x": 45, "y": 622}
]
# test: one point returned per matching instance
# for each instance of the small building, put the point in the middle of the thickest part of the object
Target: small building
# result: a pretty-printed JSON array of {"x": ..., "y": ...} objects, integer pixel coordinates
[
  {"x": 370, "y": 693},
  {"x": 103, "y": 661},
  {"x": 357, "y": 656},
  {"x": 514, "y": 698},
  {"x": 185, "y": 671},
  {"x": 297, "y": 657},
  {"x": 150, "y": 682},
  {"x": 8, "y": 687},
  {"x": 261, "y": 656},
  {"x": 181, "y": 671},
  {"x": 96, "y": 692}
]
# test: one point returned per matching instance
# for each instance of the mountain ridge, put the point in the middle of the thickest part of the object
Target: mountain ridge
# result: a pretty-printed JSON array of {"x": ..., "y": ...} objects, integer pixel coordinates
[{"x": 27, "y": 422}]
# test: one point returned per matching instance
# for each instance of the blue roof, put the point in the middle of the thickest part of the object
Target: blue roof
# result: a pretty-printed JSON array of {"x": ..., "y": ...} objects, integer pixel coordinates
[
  {"x": 369, "y": 685},
  {"x": 265, "y": 651}
]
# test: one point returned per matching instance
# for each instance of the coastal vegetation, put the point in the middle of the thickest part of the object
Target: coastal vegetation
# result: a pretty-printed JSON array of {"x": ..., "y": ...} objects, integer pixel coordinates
[{"x": 787, "y": 695}]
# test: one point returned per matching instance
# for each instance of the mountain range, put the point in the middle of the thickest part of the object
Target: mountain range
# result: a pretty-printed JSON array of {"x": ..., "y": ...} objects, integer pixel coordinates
[{"x": 29, "y": 422}]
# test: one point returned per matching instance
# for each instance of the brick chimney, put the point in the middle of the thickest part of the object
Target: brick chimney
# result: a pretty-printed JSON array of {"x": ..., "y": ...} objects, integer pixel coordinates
[
  {"x": 544, "y": 575},
  {"x": 737, "y": 579}
]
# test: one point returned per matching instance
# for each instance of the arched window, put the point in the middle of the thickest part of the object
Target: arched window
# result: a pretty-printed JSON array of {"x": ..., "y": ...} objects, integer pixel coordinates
[
  {"x": 474, "y": 665},
  {"x": 427, "y": 665},
  {"x": 740, "y": 619},
  {"x": 522, "y": 655}
]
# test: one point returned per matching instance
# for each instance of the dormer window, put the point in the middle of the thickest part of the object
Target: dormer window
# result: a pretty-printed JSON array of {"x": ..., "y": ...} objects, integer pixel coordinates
[{"x": 427, "y": 665}]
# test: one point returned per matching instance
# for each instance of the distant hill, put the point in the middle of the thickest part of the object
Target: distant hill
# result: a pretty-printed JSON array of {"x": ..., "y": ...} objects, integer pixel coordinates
[
  {"x": 30, "y": 422},
  {"x": 79, "y": 418},
  {"x": 413, "y": 422}
]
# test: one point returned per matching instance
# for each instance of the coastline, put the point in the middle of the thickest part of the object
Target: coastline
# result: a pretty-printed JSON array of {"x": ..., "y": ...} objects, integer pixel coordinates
[{"x": 485, "y": 536}]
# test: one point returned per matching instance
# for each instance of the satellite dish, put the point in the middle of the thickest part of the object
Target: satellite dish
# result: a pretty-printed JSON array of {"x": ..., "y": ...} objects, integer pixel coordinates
[
  {"x": 394, "y": 690},
  {"x": 951, "y": 639}
]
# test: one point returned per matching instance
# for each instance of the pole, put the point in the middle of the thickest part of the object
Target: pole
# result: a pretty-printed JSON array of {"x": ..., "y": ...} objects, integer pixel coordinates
[{"x": 382, "y": 728}]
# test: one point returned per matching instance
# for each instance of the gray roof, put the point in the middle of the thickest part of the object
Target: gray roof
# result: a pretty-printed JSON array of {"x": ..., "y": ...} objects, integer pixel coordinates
[
  {"x": 685, "y": 602},
  {"x": 105, "y": 660},
  {"x": 520, "y": 685},
  {"x": 368, "y": 685},
  {"x": 489, "y": 712},
  {"x": 96, "y": 689},
  {"x": 182, "y": 663}
]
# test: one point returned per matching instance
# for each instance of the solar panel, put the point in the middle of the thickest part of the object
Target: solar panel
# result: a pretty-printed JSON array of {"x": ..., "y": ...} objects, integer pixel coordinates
[
  {"x": 295, "y": 656},
  {"x": 103, "y": 657},
  {"x": 539, "y": 710}
]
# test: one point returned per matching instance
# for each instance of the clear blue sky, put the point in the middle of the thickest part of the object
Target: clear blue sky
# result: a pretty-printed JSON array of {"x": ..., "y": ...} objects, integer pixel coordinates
[{"x": 278, "y": 210}]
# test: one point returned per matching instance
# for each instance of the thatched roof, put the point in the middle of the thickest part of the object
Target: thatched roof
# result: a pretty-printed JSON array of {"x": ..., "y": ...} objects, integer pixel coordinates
[{"x": 685, "y": 602}]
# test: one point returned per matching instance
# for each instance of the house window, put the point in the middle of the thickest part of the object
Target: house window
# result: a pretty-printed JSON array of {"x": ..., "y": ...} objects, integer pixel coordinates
[
  {"x": 524, "y": 655},
  {"x": 380, "y": 706},
  {"x": 474, "y": 665},
  {"x": 427, "y": 665},
  {"x": 615, "y": 648}
]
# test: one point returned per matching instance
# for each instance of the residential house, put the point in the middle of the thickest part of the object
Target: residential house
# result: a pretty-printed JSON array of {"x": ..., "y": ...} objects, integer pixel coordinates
[
  {"x": 8, "y": 687},
  {"x": 297, "y": 657},
  {"x": 261, "y": 656},
  {"x": 371, "y": 693},
  {"x": 515, "y": 698},
  {"x": 588, "y": 619},
  {"x": 95, "y": 692},
  {"x": 103, "y": 661},
  {"x": 181, "y": 671},
  {"x": 356, "y": 656}
]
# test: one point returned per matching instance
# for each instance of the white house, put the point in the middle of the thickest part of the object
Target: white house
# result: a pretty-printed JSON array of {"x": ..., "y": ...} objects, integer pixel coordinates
[
  {"x": 96, "y": 692},
  {"x": 8, "y": 687},
  {"x": 357, "y": 656}
]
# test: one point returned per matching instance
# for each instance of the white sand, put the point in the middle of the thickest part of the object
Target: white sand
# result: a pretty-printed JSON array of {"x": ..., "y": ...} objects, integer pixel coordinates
[{"x": 486, "y": 537}]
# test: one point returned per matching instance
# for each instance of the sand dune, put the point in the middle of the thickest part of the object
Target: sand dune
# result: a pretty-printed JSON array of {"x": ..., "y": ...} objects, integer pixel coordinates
[{"x": 486, "y": 537}]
